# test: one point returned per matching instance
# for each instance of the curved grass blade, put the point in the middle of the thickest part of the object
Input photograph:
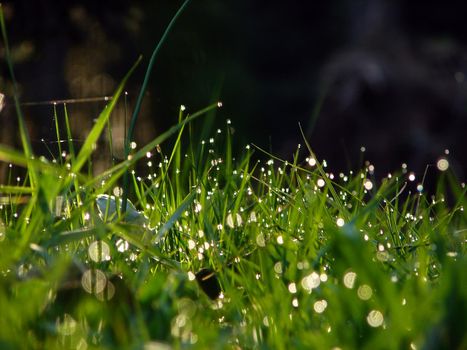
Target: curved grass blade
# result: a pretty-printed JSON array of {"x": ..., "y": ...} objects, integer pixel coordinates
[{"x": 141, "y": 95}]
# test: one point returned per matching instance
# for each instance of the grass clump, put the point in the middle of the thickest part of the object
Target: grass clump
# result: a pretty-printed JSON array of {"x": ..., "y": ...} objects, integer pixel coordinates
[{"x": 229, "y": 252}]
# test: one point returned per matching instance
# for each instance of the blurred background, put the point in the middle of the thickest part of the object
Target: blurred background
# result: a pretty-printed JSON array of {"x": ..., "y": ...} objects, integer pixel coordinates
[{"x": 388, "y": 75}]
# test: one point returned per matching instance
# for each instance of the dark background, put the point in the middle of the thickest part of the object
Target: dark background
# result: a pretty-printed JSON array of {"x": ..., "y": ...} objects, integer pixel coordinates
[{"x": 385, "y": 74}]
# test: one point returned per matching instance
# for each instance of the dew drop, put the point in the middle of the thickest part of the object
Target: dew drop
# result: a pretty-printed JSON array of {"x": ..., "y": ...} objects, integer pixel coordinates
[
  {"x": 99, "y": 251},
  {"x": 320, "y": 305},
  {"x": 368, "y": 184},
  {"x": 375, "y": 318},
  {"x": 442, "y": 164},
  {"x": 260, "y": 241},
  {"x": 292, "y": 288},
  {"x": 278, "y": 267},
  {"x": 364, "y": 292},
  {"x": 349, "y": 279},
  {"x": 93, "y": 281}
]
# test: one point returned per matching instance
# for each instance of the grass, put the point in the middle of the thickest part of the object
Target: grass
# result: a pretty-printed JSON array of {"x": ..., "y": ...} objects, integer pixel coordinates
[{"x": 224, "y": 251}]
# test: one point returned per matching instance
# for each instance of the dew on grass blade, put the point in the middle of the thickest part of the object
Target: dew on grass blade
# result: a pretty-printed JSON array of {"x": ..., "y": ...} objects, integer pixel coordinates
[
  {"x": 292, "y": 288},
  {"x": 280, "y": 239},
  {"x": 349, "y": 279},
  {"x": 368, "y": 184},
  {"x": 191, "y": 244},
  {"x": 340, "y": 222},
  {"x": 191, "y": 276},
  {"x": 442, "y": 164},
  {"x": 93, "y": 281},
  {"x": 320, "y": 305},
  {"x": 311, "y": 281},
  {"x": 197, "y": 207},
  {"x": 122, "y": 245},
  {"x": 311, "y": 161},
  {"x": 260, "y": 241},
  {"x": 375, "y": 318},
  {"x": 278, "y": 267},
  {"x": 364, "y": 292},
  {"x": 99, "y": 251}
]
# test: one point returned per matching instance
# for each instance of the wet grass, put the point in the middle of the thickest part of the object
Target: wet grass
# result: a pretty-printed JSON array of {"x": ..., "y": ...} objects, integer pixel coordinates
[
  {"x": 224, "y": 250},
  {"x": 227, "y": 251}
]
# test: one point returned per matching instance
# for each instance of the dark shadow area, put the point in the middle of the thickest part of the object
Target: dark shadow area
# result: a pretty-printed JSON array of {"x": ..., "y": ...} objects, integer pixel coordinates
[{"x": 388, "y": 75}]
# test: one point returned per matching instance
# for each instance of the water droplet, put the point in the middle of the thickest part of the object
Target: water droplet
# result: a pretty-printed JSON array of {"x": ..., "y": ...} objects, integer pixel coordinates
[
  {"x": 133, "y": 145},
  {"x": 349, "y": 279},
  {"x": 191, "y": 244},
  {"x": 260, "y": 241},
  {"x": 198, "y": 207},
  {"x": 311, "y": 161},
  {"x": 311, "y": 281},
  {"x": 93, "y": 281},
  {"x": 191, "y": 276},
  {"x": 411, "y": 177},
  {"x": 368, "y": 184},
  {"x": 442, "y": 164},
  {"x": 340, "y": 222},
  {"x": 320, "y": 183},
  {"x": 278, "y": 267},
  {"x": 280, "y": 239},
  {"x": 292, "y": 288},
  {"x": 99, "y": 251},
  {"x": 364, "y": 292},
  {"x": 320, "y": 305},
  {"x": 122, "y": 245},
  {"x": 375, "y": 318},
  {"x": 229, "y": 221},
  {"x": 295, "y": 302},
  {"x": 117, "y": 191}
]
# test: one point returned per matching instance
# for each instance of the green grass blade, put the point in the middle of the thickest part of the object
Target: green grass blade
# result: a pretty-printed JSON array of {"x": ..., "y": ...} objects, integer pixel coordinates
[
  {"x": 22, "y": 124},
  {"x": 139, "y": 101}
]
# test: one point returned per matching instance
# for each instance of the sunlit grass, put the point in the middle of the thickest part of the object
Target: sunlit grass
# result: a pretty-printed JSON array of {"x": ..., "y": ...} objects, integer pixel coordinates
[
  {"x": 244, "y": 251},
  {"x": 223, "y": 249}
]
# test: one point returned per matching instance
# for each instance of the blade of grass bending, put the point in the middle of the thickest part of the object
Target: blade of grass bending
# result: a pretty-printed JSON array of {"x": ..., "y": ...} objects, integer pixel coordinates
[
  {"x": 22, "y": 125},
  {"x": 96, "y": 131},
  {"x": 141, "y": 96}
]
